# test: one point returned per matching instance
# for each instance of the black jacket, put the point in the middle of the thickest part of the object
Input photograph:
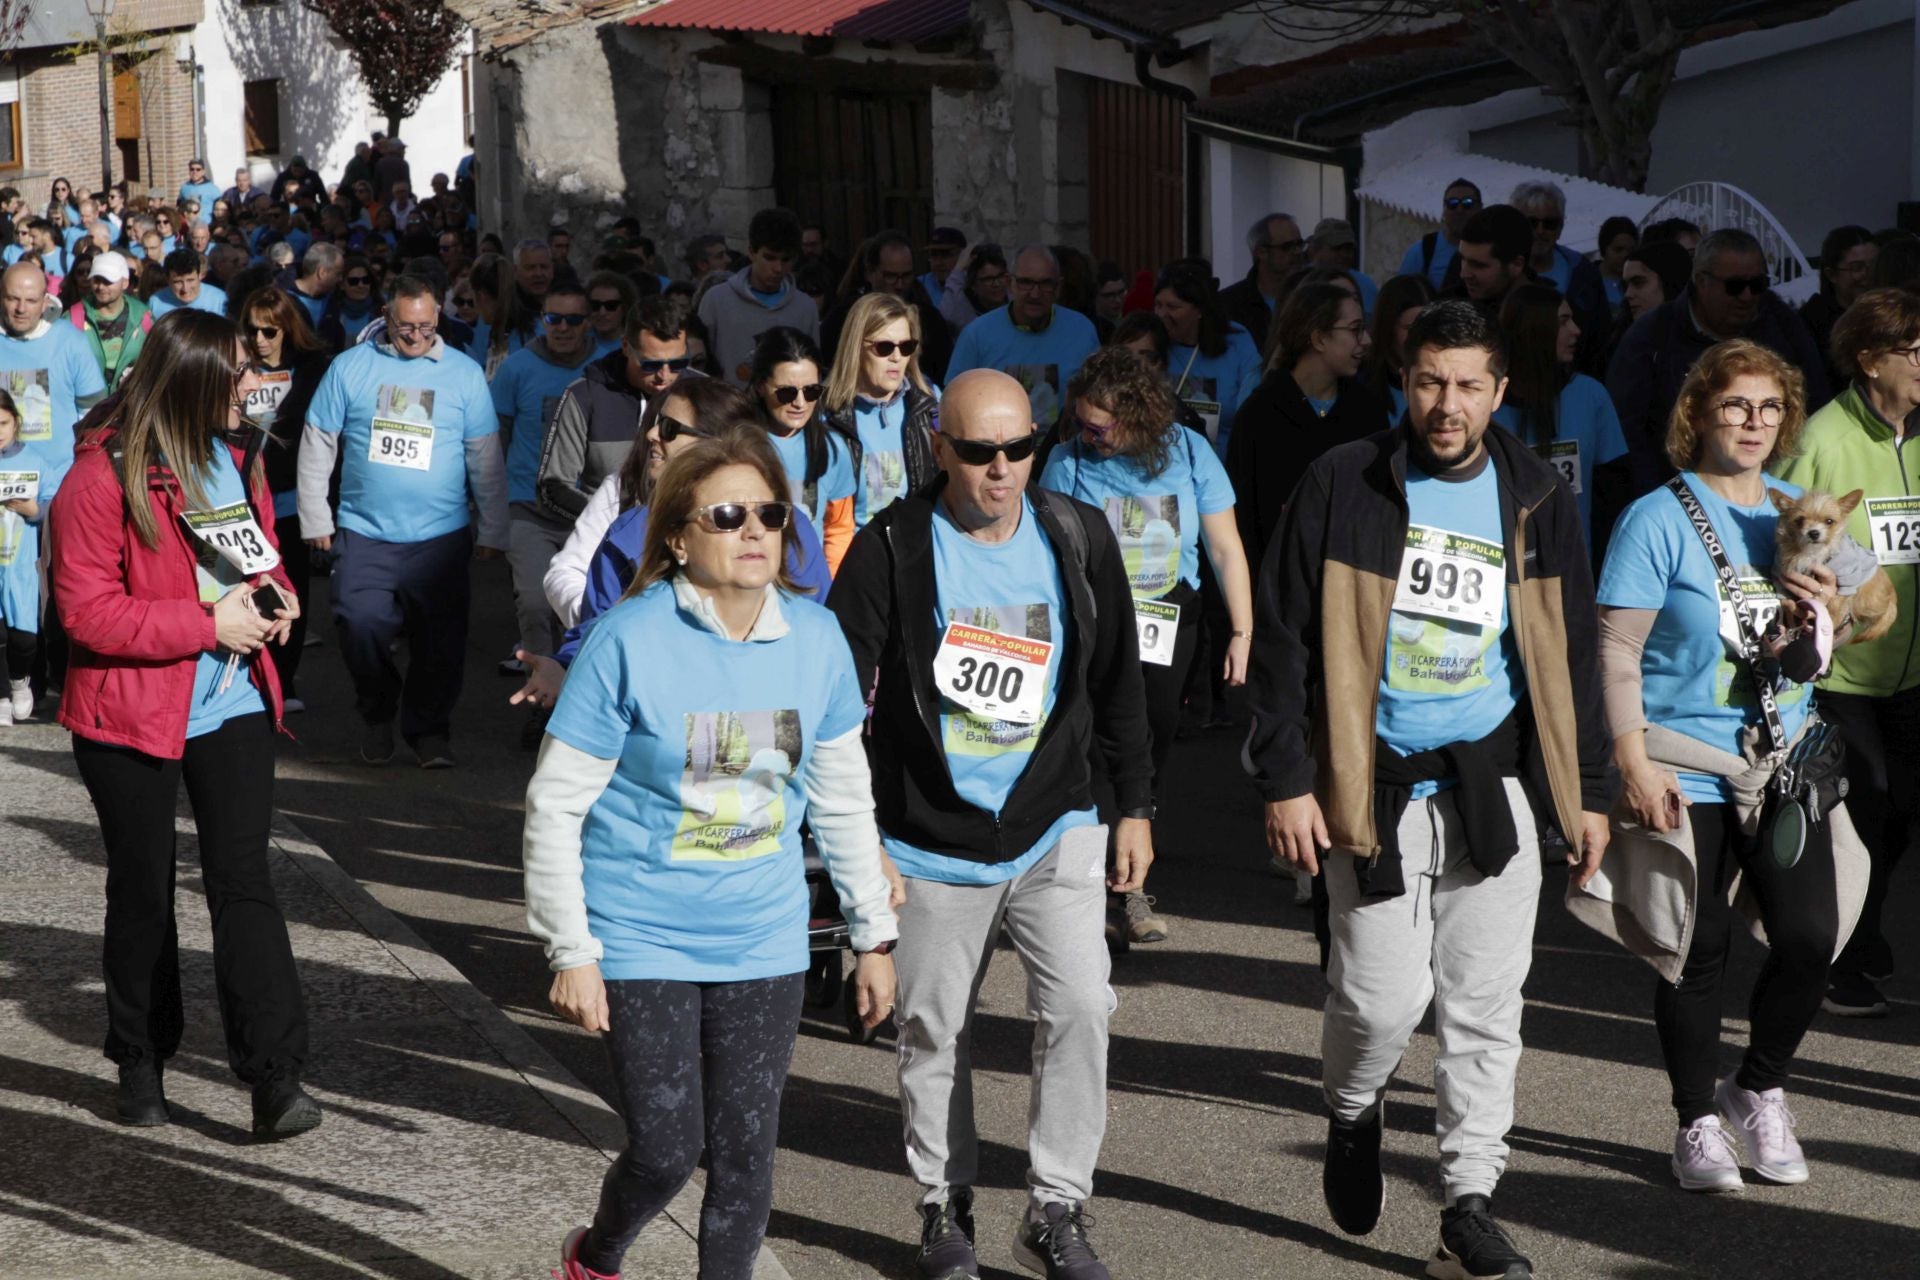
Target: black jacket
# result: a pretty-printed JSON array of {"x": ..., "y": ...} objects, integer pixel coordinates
[
  {"x": 1276, "y": 437},
  {"x": 886, "y": 599},
  {"x": 1247, "y": 307},
  {"x": 916, "y": 437},
  {"x": 282, "y": 451}
]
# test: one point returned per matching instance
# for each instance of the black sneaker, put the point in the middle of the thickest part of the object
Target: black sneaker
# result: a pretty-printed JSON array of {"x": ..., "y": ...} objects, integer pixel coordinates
[
  {"x": 434, "y": 752},
  {"x": 1852, "y": 995},
  {"x": 1878, "y": 965},
  {"x": 141, "y": 1100},
  {"x": 1350, "y": 1178},
  {"x": 1056, "y": 1246},
  {"x": 281, "y": 1108},
  {"x": 376, "y": 743},
  {"x": 1473, "y": 1247},
  {"x": 946, "y": 1239}
]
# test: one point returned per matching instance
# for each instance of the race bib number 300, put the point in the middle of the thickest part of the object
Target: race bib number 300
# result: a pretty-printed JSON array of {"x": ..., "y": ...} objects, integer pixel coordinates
[
  {"x": 1453, "y": 577},
  {"x": 998, "y": 676},
  {"x": 1895, "y": 523},
  {"x": 401, "y": 444},
  {"x": 235, "y": 535},
  {"x": 15, "y": 485}
]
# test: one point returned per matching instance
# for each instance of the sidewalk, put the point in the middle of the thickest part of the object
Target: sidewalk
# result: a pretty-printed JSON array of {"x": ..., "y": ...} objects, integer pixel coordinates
[{"x": 453, "y": 1149}]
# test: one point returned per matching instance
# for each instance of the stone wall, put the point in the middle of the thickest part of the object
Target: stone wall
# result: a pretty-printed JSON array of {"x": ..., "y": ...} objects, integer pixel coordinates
[{"x": 1389, "y": 232}]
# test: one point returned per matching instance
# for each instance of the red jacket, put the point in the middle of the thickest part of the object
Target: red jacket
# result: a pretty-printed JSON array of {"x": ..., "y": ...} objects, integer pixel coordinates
[{"x": 134, "y": 613}]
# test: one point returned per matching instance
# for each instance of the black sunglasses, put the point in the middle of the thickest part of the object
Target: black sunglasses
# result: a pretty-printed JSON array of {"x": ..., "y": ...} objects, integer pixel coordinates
[
  {"x": 555, "y": 318},
  {"x": 979, "y": 453},
  {"x": 886, "y": 348},
  {"x": 787, "y": 395},
  {"x": 606, "y": 304},
  {"x": 267, "y": 331},
  {"x": 672, "y": 429},
  {"x": 357, "y": 281},
  {"x": 1738, "y": 285},
  {"x": 729, "y": 517},
  {"x": 1463, "y": 202},
  {"x": 676, "y": 364}
]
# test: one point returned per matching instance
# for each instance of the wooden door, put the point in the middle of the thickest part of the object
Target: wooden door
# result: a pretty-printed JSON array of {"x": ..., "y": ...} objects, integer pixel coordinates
[
  {"x": 1135, "y": 159},
  {"x": 855, "y": 162}
]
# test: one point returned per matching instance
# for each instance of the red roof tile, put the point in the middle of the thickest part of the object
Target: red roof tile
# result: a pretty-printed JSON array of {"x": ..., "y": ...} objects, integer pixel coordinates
[{"x": 903, "y": 20}]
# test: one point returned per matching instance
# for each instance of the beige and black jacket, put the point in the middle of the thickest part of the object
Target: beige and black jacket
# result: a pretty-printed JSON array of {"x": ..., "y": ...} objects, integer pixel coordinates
[{"x": 1324, "y": 594}]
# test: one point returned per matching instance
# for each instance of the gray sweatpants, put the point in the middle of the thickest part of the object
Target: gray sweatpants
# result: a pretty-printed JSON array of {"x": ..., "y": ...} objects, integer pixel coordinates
[
  {"x": 532, "y": 543},
  {"x": 1055, "y": 914},
  {"x": 1458, "y": 940}
]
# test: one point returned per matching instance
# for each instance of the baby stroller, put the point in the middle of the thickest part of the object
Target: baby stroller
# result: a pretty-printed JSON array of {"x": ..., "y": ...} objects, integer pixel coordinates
[{"x": 827, "y": 939}]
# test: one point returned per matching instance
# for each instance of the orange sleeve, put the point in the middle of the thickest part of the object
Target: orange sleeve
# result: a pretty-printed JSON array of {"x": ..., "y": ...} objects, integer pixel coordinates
[{"x": 837, "y": 533}]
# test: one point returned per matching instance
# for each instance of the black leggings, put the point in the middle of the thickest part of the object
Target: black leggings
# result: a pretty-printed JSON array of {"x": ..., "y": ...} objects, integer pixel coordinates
[
  {"x": 699, "y": 1065},
  {"x": 18, "y": 646},
  {"x": 1166, "y": 686},
  {"x": 1883, "y": 792},
  {"x": 229, "y": 779},
  {"x": 1797, "y": 907}
]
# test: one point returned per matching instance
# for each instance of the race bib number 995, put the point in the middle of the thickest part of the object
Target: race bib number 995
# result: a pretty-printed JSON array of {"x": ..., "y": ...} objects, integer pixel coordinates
[{"x": 401, "y": 444}]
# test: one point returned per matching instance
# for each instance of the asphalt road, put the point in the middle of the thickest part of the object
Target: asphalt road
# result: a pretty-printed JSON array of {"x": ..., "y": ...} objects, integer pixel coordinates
[{"x": 1211, "y": 1161}]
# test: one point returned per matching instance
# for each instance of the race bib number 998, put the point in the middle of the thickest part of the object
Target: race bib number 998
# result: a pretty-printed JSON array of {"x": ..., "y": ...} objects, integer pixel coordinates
[{"x": 1452, "y": 577}]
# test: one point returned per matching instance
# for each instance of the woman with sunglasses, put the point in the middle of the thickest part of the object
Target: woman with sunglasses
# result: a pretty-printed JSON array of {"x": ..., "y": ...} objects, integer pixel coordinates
[
  {"x": 62, "y": 209},
  {"x": 1214, "y": 363},
  {"x": 878, "y": 397},
  {"x": 710, "y": 713},
  {"x": 289, "y": 360},
  {"x": 359, "y": 302},
  {"x": 170, "y": 585},
  {"x": 1165, "y": 494},
  {"x": 610, "y": 300},
  {"x": 821, "y": 459}
]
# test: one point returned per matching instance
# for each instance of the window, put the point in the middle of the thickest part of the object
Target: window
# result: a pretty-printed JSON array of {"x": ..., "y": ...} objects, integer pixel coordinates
[
  {"x": 10, "y": 109},
  {"x": 263, "y": 117}
]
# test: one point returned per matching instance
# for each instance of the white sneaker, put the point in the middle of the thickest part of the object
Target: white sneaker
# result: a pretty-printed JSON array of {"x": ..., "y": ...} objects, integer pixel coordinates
[
  {"x": 1765, "y": 1127},
  {"x": 20, "y": 698},
  {"x": 1704, "y": 1158},
  {"x": 6, "y": 712}
]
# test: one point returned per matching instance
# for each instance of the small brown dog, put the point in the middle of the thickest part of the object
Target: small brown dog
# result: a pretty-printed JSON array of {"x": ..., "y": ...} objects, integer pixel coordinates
[{"x": 1812, "y": 531}]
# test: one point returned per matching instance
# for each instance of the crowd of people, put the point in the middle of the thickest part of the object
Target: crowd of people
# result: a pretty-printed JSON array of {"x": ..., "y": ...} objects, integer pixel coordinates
[{"x": 1523, "y": 556}]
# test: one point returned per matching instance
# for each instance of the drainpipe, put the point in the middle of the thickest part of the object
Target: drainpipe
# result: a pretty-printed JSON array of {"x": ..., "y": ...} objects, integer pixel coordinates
[{"x": 1154, "y": 84}]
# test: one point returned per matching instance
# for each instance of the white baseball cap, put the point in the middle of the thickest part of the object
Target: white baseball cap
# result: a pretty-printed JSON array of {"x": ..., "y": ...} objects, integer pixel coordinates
[{"x": 110, "y": 267}]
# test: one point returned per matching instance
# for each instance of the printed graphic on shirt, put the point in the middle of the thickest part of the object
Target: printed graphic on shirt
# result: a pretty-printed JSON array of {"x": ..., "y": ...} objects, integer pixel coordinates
[
  {"x": 968, "y": 734},
  {"x": 886, "y": 478},
  {"x": 733, "y": 789},
  {"x": 12, "y": 532},
  {"x": 1147, "y": 527},
  {"x": 1732, "y": 677},
  {"x": 1042, "y": 382},
  {"x": 28, "y": 387},
  {"x": 1426, "y": 655}
]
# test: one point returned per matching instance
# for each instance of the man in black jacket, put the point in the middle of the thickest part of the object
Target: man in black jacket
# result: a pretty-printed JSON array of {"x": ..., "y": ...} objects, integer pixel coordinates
[
  {"x": 1426, "y": 699},
  {"x": 981, "y": 734},
  {"x": 1276, "y": 246}
]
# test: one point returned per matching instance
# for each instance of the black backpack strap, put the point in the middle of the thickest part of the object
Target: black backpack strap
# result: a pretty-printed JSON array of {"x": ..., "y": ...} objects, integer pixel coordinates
[
  {"x": 1428, "y": 243},
  {"x": 1074, "y": 534}
]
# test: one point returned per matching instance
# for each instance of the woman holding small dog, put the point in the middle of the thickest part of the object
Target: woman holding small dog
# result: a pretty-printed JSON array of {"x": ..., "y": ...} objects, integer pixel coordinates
[
  {"x": 1858, "y": 443},
  {"x": 1695, "y": 740}
]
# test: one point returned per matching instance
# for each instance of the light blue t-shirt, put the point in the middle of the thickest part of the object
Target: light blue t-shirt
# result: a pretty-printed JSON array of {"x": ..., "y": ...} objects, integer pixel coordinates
[
  {"x": 316, "y": 308},
  {"x": 205, "y": 192},
  {"x": 883, "y": 460},
  {"x": 1214, "y": 386},
  {"x": 46, "y": 376},
  {"x": 835, "y": 484},
  {"x": 1012, "y": 588},
  {"x": 1449, "y": 680},
  {"x": 212, "y": 708},
  {"x": 1692, "y": 680},
  {"x": 1368, "y": 291},
  {"x": 1436, "y": 271},
  {"x": 1397, "y": 404},
  {"x": 38, "y": 468},
  {"x": 526, "y": 389},
  {"x": 1588, "y": 435},
  {"x": 403, "y": 425},
  {"x": 1155, "y": 518},
  {"x": 1322, "y": 408},
  {"x": 1043, "y": 362},
  {"x": 692, "y": 862},
  {"x": 603, "y": 347},
  {"x": 211, "y": 299}
]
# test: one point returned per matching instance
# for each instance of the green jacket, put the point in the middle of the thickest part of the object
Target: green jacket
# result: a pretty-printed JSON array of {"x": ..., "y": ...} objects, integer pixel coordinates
[
  {"x": 1848, "y": 446},
  {"x": 138, "y": 323}
]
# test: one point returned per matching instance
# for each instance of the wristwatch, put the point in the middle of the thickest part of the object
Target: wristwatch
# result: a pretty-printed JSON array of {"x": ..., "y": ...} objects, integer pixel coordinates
[{"x": 881, "y": 949}]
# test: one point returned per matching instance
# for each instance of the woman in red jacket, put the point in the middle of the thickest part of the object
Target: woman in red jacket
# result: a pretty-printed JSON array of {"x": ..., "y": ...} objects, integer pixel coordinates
[{"x": 161, "y": 551}]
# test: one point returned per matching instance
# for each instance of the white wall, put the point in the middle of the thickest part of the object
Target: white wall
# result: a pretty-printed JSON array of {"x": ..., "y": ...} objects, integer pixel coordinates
[
  {"x": 323, "y": 106},
  {"x": 1244, "y": 182}
]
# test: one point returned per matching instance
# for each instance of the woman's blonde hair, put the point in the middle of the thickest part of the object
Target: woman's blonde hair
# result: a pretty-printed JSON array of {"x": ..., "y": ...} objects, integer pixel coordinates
[
  {"x": 182, "y": 385},
  {"x": 868, "y": 316},
  {"x": 1694, "y": 411},
  {"x": 742, "y": 442}
]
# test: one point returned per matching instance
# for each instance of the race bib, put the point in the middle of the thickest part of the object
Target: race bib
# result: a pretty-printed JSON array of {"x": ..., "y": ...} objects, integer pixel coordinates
[
  {"x": 1563, "y": 456},
  {"x": 233, "y": 532},
  {"x": 1763, "y": 606},
  {"x": 1159, "y": 626},
  {"x": 1895, "y": 523},
  {"x": 15, "y": 485},
  {"x": 998, "y": 676},
  {"x": 264, "y": 401},
  {"x": 1209, "y": 411},
  {"x": 1451, "y": 577},
  {"x": 401, "y": 444}
]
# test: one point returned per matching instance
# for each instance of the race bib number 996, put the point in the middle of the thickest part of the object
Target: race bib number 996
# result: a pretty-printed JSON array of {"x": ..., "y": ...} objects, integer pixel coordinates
[
  {"x": 1452, "y": 577},
  {"x": 15, "y": 485}
]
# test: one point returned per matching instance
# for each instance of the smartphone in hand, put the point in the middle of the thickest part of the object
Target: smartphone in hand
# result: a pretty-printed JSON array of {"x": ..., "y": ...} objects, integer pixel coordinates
[{"x": 266, "y": 599}]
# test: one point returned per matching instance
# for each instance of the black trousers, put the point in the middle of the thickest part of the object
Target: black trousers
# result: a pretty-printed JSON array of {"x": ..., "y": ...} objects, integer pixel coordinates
[
  {"x": 700, "y": 1067},
  {"x": 18, "y": 646},
  {"x": 1167, "y": 686},
  {"x": 229, "y": 779},
  {"x": 296, "y": 556},
  {"x": 1883, "y": 792},
  {"x": 1802, "y": 922}
]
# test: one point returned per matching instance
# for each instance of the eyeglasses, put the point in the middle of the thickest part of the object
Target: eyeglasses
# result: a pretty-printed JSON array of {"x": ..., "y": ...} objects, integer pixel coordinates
[
  {"x": 731, "y": 517},
  {"x": 267, "y": 331},
  {"x": 606, "y": 304},
  {"x": 555, "y": 319},
  {"x": 1031, "y": 285},
  {"x": 1911, "y": 353},
  {"x": 884, "y": 348},
  {"x": 415, "y": 330},
  {"x": 1739, "y": 413},
  {"x": 1463, "y": 202},
  {"x": 1294, "y": 245},
  {"x": 896, "y": 279},
  {"x": 672, "y": 429},
  {"x": 787, "y": 395},
  {"x": 1547, "y": 224},
  {"x": 1358, "y": 328},
  {"x": 979, "y": 453},
  {"x": 357, "y": 282},
  {"x": 982, "y": 279},
  {"x": 463, "y": 300},
  {"x": 674, "y": 365},
  {"x": 1738, "y": 285}
]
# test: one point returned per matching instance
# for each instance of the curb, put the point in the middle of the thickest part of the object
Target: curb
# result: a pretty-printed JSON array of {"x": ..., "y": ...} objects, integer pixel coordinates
[{"x": 583, "y": 1110}]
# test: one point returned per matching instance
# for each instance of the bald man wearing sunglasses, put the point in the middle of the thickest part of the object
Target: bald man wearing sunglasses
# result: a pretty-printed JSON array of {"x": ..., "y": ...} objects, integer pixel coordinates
[{"x": 1005, "y": 613}]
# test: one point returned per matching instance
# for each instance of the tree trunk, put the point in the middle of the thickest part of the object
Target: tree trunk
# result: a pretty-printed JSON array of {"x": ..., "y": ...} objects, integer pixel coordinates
[{"x": 393, "y": 124}]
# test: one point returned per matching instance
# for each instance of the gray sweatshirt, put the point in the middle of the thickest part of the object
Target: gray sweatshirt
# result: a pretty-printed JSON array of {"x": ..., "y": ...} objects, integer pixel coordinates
[{"x": 735, "y": 319}]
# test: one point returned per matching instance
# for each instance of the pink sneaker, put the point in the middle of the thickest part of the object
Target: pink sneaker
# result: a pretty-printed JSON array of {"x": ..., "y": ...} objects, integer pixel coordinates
[
  {"x": 1765, "y": 1127},
  {"x": 571, "y": 1267},
  {"x": 1704, "y": 1157}
]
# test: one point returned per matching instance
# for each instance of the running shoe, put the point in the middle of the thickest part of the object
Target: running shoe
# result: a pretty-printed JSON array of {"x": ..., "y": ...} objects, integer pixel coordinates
[
  {"x": 1350, "y": 1178},
  {"x": 1765, "y": 1128},
  {"x": 1142, "y": 924},
  {"x": 946, "y": 1239},
  {"x": 20, "y": 699},
  {"x": 281, "y": 1108},
  {"x": 1704, "y": 1157},
  {"x": 1853, "y": 995},
  {"x": 1473, "y": 1247},
  {"x": 434, "y": 752},
  {"x": 1055, "y": 1245},
  {"x": 376, "y": 744},
  {"x": 571, "y": 1268}
]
